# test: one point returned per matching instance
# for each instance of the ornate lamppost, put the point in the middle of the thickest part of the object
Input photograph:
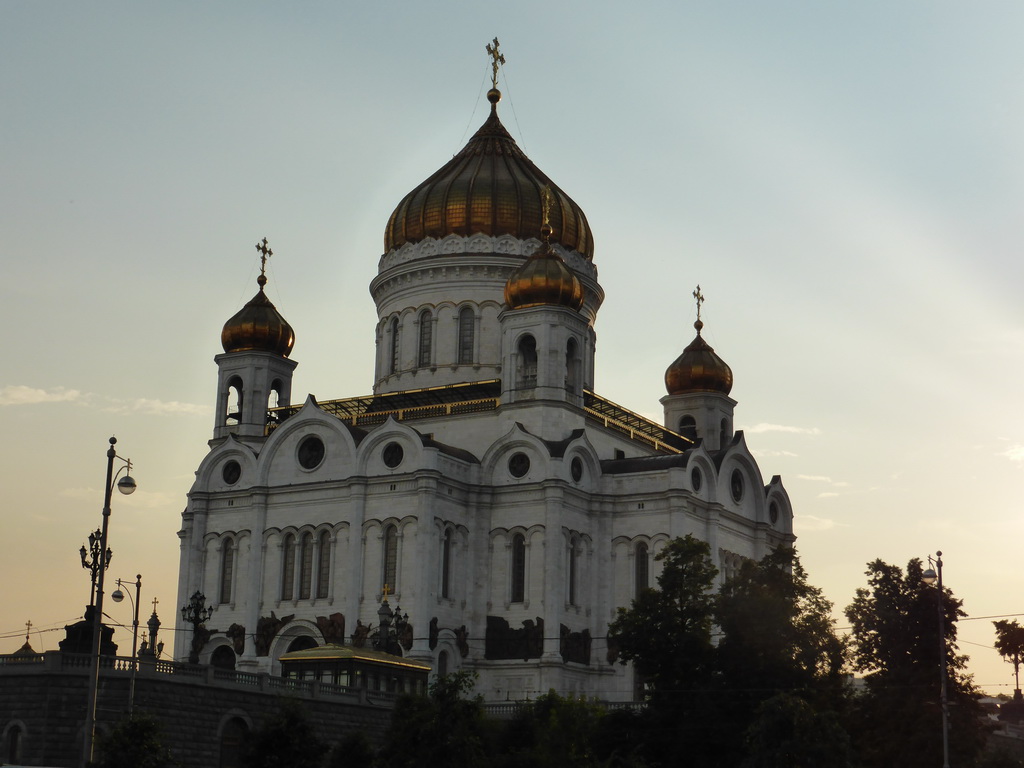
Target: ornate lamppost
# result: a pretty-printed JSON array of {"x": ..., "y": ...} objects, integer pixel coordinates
[
  {"x": 929, "y": 577},
  {"x": 94, "y": 559},
  {"x": 196, "y": 613},
  {"x": 117, "y": 596},
  {"x": 125, "y": 485}
]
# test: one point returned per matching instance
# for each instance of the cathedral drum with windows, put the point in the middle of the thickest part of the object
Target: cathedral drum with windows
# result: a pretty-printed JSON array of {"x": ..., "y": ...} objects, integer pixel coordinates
[{"x": 483, "y": 488}]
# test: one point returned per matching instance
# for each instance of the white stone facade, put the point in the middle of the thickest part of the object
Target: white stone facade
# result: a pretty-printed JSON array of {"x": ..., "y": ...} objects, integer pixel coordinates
[{"x": 509, "y": 519}]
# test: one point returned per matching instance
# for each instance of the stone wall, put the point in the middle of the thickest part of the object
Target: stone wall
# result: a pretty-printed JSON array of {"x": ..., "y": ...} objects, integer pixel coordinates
[{"x": 45, "y": 696}]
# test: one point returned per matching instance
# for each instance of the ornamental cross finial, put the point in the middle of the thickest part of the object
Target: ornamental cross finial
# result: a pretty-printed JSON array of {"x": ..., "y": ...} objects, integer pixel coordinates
[
  {"x": 546, "y": 199},
  {"x": 265, "y": 253},
  {"x": 700, "y": 300},
  {"x": 28, "y": 629},
  {"x": 155, "y": 601},
  {"x": 387, "y": 591},
  {"x": 497, "y": 59}
]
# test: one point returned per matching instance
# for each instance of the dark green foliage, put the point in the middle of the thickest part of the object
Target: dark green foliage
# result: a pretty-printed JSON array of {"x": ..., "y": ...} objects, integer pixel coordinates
[
  {"x": 285, "y": 740},
  {"x": 551, "y": 731},
  {"x": 445, "y": 729},
  {"x": 898, "y": 717},
  {"x": 787, "y": 732},
  {"x": 354, "y": 751},
  {"x": 999, "y": 758},
  {"x": 1010, "y": 644},
  {"x": 666, "y": 632},
  {"x": 134, "y": 743}
]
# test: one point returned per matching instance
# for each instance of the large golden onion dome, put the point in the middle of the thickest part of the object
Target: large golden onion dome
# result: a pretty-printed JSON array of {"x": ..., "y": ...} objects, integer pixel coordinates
[
  {"x": 258, "y": 326},
  {"x": 544, "y": 279},
  {"x": 491, "y": 187},
  {"x": 698, "y": 369}
]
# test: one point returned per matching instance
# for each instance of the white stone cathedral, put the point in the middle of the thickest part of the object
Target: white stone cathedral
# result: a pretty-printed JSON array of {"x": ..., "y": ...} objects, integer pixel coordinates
[{"x": 484, "y": 487}]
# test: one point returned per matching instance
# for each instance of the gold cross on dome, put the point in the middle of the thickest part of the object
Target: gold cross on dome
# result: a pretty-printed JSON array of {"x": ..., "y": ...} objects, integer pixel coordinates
[
  {"x": 28, "y": 629},
  {"x": 265, "y": 253},
  {"x": 546, "y": 199},
  {"x": 497, "y": 59},
  {"x": 155, "y": 601},
  {"x": 700, "y": 300}
]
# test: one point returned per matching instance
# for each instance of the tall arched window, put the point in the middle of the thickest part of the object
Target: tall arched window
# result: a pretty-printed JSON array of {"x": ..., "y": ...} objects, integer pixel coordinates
[
  {"x": 518, "y": 568},
  {"x": 223, "y": 657},
  {"x": 306, "y": 561},
  {"x": 467, "y": 328},
  {"x": 274, "y": 398},
  {"x": 642, "y": 567},
  {"x": 288, "y": 568},
  {"x": 390, "y": 564},
  {"x": 395, "y": 347},
  {"x": 446, "y": 563},
  {"x": 572, "y": 366},
  {"x": 527, "y": 362},
  {"x": 573, "y": 568},
  {"x": 688, "y": 427},
  {"x": 323, "y": 565},
  {"x": 425, "y": 356},
  {"x": 14, "y": 739},
  {"x": 234, "y": 404},
  {"x": 227, "y": 569}
]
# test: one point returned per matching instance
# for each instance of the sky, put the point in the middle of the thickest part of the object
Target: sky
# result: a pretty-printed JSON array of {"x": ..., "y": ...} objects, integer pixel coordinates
[{"x": 844, "y": 180}]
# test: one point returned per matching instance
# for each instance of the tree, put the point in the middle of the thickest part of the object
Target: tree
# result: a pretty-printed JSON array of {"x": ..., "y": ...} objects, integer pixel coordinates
[
  {"x": 895, "y": 625},
  {"x": 666, "y": 632},
  {"x": 777, "y": 638},
  {"x": 353, "y": 751},
  {"x": 787, "y": 732},
  {"x": 551, "y": 731},
  {"x": 134, "y": 743},
  {"x": 285, "y": 740},
  {"x": 444, "y": 728},
  {"x": 1010, "y": 644}
]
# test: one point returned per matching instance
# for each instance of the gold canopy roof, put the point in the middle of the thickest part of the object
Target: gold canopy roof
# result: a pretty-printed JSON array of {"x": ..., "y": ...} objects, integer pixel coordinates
[
  {"x": 258, "y": 326},
  {"x": 544, "y": 279},
  {"x": 698, "y": 369},
  {"x": 490, "y": 187}
]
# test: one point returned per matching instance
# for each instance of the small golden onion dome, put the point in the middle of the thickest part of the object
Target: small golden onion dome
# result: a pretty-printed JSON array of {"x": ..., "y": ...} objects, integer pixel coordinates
[
  {"x": 698, "y": 369},
  {"x": 258, "y": 326},
  {"x": 544, "y": 279},
  {"x": 491, "y": 187}
]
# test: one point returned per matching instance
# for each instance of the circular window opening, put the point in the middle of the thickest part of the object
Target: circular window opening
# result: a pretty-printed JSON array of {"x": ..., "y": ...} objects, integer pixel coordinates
[
  {"x": 393, "y": 455},
  {"x": 231, "y": 472},
  {"x": 737, "y": 485},
  {"x": 696, "y": 479},
  {"x": 577, "y": 469},
  {"x": 773, "y": 512},
  {"x": 311, "y": 452},
  {"x": 519, "y": 464}
]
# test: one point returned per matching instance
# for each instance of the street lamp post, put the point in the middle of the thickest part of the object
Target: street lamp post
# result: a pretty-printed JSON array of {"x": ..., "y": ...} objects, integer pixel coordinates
[
  {"x": 125, "y": 485},
  {"x": 196, "y": 613},
  {"x": 934, "y": 576},
  {"x": 117, "y": 596}
]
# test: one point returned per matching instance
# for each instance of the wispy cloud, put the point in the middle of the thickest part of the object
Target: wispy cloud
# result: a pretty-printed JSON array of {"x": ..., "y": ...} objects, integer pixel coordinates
[
  {"x": 765, "y": 454},
  {"x": 818, "y": 478},
  {"x": 1014, "y": 453},
  {"x": 159, "y": 407},
  {"x": 18, "y": 394},
  {"x": 812, "y": 523},
  {"x": 764, "y": 427},
  {"x": 827, "y": 495}
]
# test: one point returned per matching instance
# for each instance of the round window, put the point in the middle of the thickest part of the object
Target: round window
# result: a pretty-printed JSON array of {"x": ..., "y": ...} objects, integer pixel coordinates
[
  {"x": 519, "y": 464},
  {"x": 577, "y": 469},
  {"x": 736, "y": 483},
  {"x": 311, "y": 452},
  {"x": 393, "y": 455},
  {"x": 231, "y": 472},
  {"x": 696, "y": 478},
  {"x": 773, "y": 512}
]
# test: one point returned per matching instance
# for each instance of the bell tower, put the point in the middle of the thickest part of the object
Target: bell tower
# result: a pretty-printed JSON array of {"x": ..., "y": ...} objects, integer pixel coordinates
[{"x": 254, "y": 372}]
